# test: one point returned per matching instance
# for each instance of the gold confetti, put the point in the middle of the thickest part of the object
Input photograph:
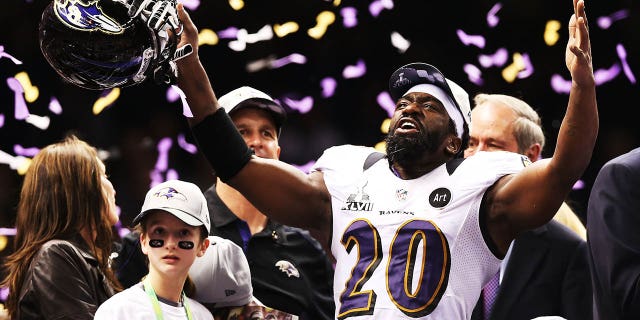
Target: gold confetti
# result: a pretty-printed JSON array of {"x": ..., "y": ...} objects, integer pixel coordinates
[
  {"x": 31, "y": 92},
  {"x": 207, "y": 36},
  {"x": 551, "y": 35},
  {"x": 106, "y": 101},
  {"x": 324, "y": 19}
]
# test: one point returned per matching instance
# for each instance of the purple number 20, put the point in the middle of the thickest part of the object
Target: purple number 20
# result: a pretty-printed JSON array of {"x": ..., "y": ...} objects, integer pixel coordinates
[{"x": 403, "y": 259}]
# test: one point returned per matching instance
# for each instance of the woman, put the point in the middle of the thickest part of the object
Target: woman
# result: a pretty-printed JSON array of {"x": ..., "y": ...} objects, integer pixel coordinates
[{"x": 59, "y": 268}]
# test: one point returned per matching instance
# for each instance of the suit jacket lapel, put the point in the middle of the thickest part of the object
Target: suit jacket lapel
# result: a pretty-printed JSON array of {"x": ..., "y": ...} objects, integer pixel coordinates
[{"x": 523, "y": 262}]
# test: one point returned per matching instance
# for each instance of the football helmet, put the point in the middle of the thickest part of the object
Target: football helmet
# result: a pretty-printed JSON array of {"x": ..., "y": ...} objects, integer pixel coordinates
[{"x": 102, "y": 44}]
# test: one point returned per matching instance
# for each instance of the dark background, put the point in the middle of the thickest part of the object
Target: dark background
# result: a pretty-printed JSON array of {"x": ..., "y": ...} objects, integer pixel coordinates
[{"x": 133, "y": 125}]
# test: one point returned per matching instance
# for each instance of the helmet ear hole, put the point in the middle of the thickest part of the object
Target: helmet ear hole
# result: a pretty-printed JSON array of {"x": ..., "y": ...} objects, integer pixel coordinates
[{"x": 96, "y": 45}]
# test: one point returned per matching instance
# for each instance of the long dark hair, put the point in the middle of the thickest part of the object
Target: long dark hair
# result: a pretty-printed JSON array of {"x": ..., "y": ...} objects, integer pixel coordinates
[{"x": 62, "y": 193}]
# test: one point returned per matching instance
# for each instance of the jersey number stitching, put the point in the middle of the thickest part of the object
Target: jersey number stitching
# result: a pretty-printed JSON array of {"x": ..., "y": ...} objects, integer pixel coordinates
[{"x": 403, "y": 259}]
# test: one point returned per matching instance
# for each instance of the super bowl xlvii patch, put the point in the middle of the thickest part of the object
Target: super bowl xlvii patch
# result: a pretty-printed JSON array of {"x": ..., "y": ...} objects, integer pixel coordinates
[
  {"x": 85, "y": 16},
  {"x": 440, "y": 197},
  {"x": 525, "y": 160}
]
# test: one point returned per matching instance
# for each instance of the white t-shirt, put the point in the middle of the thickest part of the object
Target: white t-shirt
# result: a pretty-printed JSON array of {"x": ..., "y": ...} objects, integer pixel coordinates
[
  {"x": 135, "y": 304},
  {"x": 409, "y": 249}
]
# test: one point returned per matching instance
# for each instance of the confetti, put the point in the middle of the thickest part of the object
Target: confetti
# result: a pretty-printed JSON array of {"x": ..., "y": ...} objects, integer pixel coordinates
[
  {"x": 108, "y": 97},
  {"x": 54, "y": 106},
  {"x": 31, "y": 92},
  {"x": 492, "y": 18},
  {"x": 207, "y": 36},
  {"x": 511, "y": 71},
  {"x": 467, "y": 40},
  {"x": 286, "y": 28},
  {"x": 399, "y": 42},
  {"x": 551, "y": 35},
  {"x": 20, "y": 105},
  {"x": 303, "y": 105},
  {"x": 349, "y": 17},
  {"x": 355, "y": 71},
  {"x": 622, "y": 54},
  {"x": 324, "y": 20},
  {"x": 605, "y": 22},
  {"x": 328, "y": 85}
]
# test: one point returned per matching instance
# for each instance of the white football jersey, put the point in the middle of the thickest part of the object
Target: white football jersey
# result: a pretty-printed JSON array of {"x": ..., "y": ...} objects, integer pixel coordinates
[{"x": 409, "y": 249}]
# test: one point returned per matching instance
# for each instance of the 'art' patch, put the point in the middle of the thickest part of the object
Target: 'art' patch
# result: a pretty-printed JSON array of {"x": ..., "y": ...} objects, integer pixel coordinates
[
  {"x": 79, "y": 15},
  {"x": 440, "y": 197}
]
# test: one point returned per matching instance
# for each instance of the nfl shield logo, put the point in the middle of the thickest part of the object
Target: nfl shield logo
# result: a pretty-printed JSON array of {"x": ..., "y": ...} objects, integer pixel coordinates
[{"x": 401, "y": 194}]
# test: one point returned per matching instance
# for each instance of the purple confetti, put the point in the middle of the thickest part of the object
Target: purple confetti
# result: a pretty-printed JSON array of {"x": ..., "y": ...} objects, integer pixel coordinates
[
  {"x": 191, "y": 4},
  {"x": 303, "y": 106},
  {"x": 122, "y": 232},
  {"x": 172, "y": 174},
  {"x": 386, "y": 103},
  {"x": 3, "y": 54},
  {"x": 356, "y": 71},
  {"x": 622, "y": 53},
  {"x": 328, "y": 85},
  {"x": 54, "y": 106},
  {"x": 349, "y": 17},
  {"x": 605, "y": 22},
  {"x": 156, "y": 177},
  {"x": 467, "y": 40},
  {"x": 172, "y": 94},
  {"x": 378, "y": 5},
  {"x": 228, "y": 33},
  {"x": 578, "y": 185},
  {"x": 528, "y": 67},
  {"x": 163, "y": 154},
  {"x": 305, "y": 167},
  {"x": 497, "y": 59},
  {"x": 292, "y": 58},
  {"x": 27, "y": 152},
  {"x": 560, "y": 85},
  {"x": 1, "y": 120},
  {"x": 21, "y": 111},
  {"x": 182, "y": 142},
  {"x": 4, "y": 293},
  {"x": 605, "y": 75},
  {"x": 473, "y": 73},
  {"x": 492, "y": 18},
  {"x": 8, "y": 231}
]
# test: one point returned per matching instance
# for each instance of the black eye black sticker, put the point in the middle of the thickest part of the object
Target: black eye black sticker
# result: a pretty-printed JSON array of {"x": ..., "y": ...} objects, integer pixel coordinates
[{"x": 186, "y": 245}]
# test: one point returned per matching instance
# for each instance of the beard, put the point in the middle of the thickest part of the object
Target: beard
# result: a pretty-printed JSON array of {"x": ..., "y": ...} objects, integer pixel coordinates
[{"x": 405, "y": 149}]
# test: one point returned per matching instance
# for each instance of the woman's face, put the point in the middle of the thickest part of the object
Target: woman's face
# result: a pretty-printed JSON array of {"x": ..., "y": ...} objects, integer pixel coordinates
[{"x": 110, "y": 194}]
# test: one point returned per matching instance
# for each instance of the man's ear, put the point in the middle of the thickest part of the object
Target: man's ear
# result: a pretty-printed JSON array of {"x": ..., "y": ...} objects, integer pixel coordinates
[
  {"x": 453, "y": 145},
  {"x": 533, "y": 152}
]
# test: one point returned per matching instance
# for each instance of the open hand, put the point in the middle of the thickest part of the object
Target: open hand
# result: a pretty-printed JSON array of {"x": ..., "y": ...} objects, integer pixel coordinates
[{"x": 578, "y": 52}]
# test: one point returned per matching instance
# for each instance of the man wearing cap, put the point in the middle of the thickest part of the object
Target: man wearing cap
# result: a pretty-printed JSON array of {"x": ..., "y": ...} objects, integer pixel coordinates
[
  {"x": 289, "y": 269},
  {"x": 418, "y": 233}
]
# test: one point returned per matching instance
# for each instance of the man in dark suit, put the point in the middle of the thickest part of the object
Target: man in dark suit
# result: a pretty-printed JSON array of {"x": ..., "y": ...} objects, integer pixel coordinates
[
  {"x": 614, "y": 238},
  {"x": 545, "y": 272}
]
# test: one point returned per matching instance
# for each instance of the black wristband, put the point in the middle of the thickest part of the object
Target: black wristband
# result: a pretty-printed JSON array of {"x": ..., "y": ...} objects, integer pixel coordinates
[{"x": 219, "y": 141}]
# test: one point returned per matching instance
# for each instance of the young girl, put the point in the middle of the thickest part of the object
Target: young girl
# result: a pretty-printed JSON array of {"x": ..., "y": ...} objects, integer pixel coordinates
[{"x": 174, "y": 223}]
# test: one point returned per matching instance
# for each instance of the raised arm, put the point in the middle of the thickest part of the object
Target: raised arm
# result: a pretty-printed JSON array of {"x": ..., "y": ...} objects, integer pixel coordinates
[
  {"x": 279, "y": 190},
  {"x": 531, "y": 198}
]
